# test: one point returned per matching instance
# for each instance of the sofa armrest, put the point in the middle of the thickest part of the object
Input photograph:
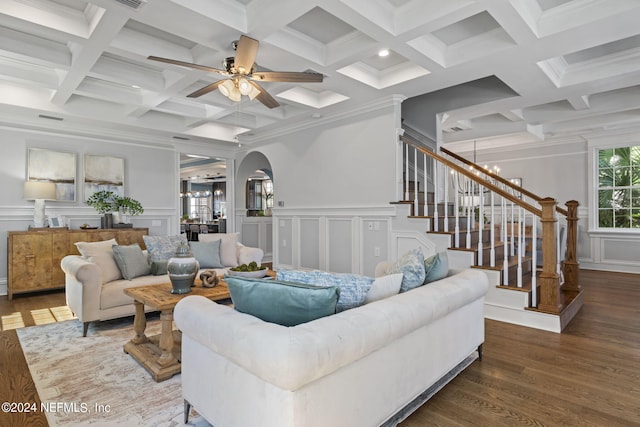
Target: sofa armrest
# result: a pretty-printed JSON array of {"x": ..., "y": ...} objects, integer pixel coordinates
[
  {"x": 83, "y": 284},
  {"x": 248, "y": 254}
]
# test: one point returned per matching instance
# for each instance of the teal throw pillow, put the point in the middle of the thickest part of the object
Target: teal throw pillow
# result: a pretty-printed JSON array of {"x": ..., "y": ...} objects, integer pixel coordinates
[
  {"x": 284, "y": 303},
  {"x": 131, "y": 261},
  {"x": 207, "y": 253},
  {"x": 411, "y": 265},
  {"x": 163, "y": 247},
  {"x": 436, "y": 267},
  {"x": 353, "y": 287}
]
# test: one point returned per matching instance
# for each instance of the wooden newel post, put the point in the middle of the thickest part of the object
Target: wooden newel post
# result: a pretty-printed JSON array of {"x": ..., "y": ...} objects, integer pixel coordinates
[
  {"x": 550, "y": 297},
  {"x": 571, "y": 265}
]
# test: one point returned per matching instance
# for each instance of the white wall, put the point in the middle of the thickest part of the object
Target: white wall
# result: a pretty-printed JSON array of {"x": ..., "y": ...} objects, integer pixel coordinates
[
  {"x": 335, "y": 180},
  {"x": 341, "y": 164}
]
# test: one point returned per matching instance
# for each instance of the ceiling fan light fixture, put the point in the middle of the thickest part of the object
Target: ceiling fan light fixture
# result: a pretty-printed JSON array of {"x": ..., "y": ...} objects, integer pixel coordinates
[
  {"x": 244, "y": 86},
  {"x": 226, "y": 87},
  {"x": 235, "y": 95}
]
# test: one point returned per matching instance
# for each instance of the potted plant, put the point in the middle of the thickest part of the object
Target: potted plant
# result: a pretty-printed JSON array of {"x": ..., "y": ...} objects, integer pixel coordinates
[
  {"x": 267, "y": 196},
  {"x": 108, "y": 203},
  {"x": 103, "y": 201},
  {"x": 128, "y": 206}
]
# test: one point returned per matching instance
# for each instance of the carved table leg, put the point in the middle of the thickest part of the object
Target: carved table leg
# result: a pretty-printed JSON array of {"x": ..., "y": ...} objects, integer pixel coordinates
[
  {"x": 139, "y": 324},
  {"x": 166, "y": 339}
]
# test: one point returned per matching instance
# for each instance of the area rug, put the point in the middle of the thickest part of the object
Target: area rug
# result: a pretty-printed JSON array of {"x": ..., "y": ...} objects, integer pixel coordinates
[{"x": 90, "y": 381}]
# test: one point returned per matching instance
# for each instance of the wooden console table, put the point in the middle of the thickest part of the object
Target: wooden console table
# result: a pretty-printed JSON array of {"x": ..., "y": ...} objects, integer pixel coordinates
[
  {"x": 33, "y": 257},
  {"x": 160, "y": 354}
]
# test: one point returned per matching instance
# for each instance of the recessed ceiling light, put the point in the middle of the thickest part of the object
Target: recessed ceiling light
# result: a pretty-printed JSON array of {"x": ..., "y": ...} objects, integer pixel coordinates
[
  {"x": 383, "y": 52},
  {"x": 316, "y": 115}
]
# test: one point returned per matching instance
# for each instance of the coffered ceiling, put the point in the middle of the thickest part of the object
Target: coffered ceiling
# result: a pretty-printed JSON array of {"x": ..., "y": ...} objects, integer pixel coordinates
[{"x": 548, "y": 67}]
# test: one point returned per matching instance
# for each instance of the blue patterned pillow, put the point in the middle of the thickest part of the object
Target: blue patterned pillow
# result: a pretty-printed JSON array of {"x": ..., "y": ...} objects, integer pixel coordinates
[
  {"x": 411, "y": 265},
  {"x": 353, "y": 287},
  {"x": 161, "y": 248},
  {"x": 436, "y": 267}
]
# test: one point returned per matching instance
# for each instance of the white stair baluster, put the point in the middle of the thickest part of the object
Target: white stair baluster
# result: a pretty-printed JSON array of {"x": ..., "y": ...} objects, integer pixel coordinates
[
  {"x": 426, "y": 187},
  {"x": 416, "y": 212},
  {"x": 534, "y": 262},
  {"x": 480, "y": 222},
  {"x": 456, "y": 182},
  {"x": 435, "y": 196},
  {"x": 446, "y": 201},
  {"x": 406, "y": 171},
  {"x": 492, "y": 256},
  {"x": 512, "y": 251},
  {"x": 505, "y": 267},
  {"x": 520, "y": 247},
  {"x": 469, "y": 210}
]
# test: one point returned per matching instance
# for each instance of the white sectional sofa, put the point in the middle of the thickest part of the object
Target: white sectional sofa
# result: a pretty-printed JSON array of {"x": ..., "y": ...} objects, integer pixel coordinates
[
  {"x": 91, "y": 297},
  {"x": 360, "y": 367}
]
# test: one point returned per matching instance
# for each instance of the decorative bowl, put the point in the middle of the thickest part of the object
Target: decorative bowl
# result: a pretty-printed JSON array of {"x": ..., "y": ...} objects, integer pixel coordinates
[{"x": 254, "y": 274}]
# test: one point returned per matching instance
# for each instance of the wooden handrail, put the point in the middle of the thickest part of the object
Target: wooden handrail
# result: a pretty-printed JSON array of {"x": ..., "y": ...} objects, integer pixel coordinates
[
  {"x": 532, "y": 209},
  {"x": 501, "y": 179}
]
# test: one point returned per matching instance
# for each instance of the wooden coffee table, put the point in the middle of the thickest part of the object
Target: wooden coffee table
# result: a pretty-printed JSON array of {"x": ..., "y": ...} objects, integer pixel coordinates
[{"x": 160, "y": 354}]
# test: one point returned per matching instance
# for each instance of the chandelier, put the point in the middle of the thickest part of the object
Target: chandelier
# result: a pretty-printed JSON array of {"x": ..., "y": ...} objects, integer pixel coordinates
[{"x": 196, "y": 194}]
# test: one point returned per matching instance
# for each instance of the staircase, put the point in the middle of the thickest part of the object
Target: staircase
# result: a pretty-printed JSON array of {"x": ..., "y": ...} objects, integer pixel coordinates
[{"x": 526, "y": 244}]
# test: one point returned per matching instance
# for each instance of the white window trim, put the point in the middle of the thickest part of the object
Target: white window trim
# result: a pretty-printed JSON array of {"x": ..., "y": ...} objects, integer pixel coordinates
[{"x": 595, "y": 144}]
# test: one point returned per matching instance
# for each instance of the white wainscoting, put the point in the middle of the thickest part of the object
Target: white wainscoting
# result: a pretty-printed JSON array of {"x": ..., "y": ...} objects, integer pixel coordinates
[
  {"x": 613, "y": 252},
  {"x": 257, "y": 232},
  {"x": 340, "y": 240}
]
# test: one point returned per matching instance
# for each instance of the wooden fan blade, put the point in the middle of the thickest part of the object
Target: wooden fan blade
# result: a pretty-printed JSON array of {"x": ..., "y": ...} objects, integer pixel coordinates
[
  {"x": 188, "y": 64},
  {"x": 206, "y": 89},
  {"x": 264, "y": 97},
  {"x": 245, "y": 54},
  {"x": 287, "y": 76}
]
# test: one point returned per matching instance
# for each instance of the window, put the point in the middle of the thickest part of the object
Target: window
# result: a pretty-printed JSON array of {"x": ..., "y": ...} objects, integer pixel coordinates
[{"x": 619, "y": 187}]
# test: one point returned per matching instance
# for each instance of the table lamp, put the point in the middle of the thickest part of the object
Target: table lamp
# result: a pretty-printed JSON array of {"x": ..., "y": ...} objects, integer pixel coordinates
[{"x": 39, "y": 191}]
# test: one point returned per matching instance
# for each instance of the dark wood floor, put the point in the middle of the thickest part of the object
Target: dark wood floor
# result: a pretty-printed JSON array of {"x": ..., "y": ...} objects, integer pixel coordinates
[{"x": 587, "y": 376}]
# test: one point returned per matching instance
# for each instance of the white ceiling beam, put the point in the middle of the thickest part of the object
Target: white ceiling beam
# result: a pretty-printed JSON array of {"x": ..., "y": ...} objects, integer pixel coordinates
[{"x": 86, "y": 55}]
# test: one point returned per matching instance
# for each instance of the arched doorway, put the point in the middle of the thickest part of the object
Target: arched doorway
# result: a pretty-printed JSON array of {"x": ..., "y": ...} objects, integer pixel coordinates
[
  {"x": 255, "y": 182},
  {"x": 255, "y": 188}
]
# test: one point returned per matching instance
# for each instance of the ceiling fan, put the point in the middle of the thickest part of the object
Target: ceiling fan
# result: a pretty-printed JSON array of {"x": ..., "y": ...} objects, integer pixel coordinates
[{"x": 243, "y": 77}]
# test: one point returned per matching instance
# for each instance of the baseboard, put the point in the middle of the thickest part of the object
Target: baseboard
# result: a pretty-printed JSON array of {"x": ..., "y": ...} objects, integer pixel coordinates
[
  {"x": 3, "y": 287},
  {"x": 530, "y": 319},
  {"x": 607, "y": 266}
]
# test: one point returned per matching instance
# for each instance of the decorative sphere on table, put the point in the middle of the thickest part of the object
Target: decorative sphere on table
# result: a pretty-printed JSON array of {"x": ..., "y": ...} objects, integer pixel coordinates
[{"x": 182, "y": 269}]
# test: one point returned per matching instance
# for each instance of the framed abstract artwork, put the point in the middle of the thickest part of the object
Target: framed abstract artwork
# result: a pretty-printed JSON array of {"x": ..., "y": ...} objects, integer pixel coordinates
[
  {"x": 54, "y": 166},
  {"x": 103, "y": 173}
]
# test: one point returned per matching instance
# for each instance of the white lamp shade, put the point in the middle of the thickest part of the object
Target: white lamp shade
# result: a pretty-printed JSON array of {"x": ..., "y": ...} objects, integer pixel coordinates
[{"x": 35, "y": 190}]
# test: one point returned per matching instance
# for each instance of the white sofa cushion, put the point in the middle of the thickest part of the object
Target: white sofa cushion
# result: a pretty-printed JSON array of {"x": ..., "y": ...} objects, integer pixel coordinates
[
  {"x": 101, "y": 254},
  {"x": 384, "y": 287},
  {"x": 112, "y": 294}
]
